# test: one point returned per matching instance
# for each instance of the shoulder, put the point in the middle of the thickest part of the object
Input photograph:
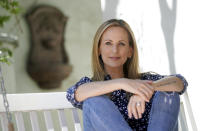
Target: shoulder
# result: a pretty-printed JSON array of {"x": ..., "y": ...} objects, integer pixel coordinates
[
  {"x": 86, "y": 79},
  {"x": 83, "y": 80},
  {"x": 151, "y": 76},
  {"x": 74, "y": 87}
]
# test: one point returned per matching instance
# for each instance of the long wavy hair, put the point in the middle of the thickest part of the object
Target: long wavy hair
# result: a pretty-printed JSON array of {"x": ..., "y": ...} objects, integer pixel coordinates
[{"x": 131, "y": 66}]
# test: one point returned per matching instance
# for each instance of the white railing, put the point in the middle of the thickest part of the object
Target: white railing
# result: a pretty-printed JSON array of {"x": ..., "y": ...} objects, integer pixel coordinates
[
  {"x": 186, "y": 117},
  {"x": 45, "y": 103},
  {"x": 35, "y": 103}
]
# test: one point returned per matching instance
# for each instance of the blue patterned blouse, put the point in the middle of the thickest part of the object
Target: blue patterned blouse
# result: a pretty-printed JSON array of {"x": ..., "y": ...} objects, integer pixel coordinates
[{"x": 120, "y": 100}]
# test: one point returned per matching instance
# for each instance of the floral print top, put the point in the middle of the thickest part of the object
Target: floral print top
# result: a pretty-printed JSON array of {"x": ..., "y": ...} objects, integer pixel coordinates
[{"x": 120, "y": 99}]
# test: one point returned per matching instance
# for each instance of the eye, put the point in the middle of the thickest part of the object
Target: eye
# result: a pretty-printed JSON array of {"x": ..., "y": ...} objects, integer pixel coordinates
[
  {"x": 108, "y": 43},
  {"x": 122, "y": 44}
]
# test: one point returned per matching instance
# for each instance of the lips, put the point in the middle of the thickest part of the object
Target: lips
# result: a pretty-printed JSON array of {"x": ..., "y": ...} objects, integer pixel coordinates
[{"x": 114, "y": 58}]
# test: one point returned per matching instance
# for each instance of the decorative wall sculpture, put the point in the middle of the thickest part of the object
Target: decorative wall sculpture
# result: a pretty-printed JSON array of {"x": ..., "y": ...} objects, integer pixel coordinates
[{"x": 47, "y": 63}]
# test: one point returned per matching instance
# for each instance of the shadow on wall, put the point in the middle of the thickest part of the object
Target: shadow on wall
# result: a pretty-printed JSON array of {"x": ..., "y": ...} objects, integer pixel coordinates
[
  {"x": 168, "y": 23},
  {"x": 110, "y": 10}
]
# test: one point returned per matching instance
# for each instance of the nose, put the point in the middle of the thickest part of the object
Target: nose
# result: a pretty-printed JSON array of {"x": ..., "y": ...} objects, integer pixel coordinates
[{"x": 114, "y": 49}]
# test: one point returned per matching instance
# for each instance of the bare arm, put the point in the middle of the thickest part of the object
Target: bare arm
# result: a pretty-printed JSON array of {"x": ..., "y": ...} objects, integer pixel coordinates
[
  {"x": 171, "y": 83},
  {"x": 103, "y": 87},
  {"x": 94, "y": 89}
]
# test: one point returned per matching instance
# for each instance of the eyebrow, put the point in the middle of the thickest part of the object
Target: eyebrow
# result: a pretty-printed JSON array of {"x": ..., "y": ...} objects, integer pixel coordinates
[{"x": 119, "y": 41}]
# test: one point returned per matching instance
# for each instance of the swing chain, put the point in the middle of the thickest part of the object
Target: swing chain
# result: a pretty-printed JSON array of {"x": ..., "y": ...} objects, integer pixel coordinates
[{"x": 5, "y": 101}]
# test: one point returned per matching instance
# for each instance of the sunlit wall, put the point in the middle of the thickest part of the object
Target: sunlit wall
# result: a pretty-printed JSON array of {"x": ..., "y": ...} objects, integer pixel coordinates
[{"x": 79, "y": 32}]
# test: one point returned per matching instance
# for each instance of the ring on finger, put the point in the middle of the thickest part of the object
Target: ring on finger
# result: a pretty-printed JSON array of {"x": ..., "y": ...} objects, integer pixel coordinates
[{"x": 138, "y": 103}]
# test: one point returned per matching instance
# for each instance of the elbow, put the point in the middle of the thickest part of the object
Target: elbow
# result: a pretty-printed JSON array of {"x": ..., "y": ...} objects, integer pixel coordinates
[
  {"x": 78, "y": 97},
  {"x": 183, "y": 82},
  {"x": 180, "y": 84},
  {"x": 180, "y": 89}
]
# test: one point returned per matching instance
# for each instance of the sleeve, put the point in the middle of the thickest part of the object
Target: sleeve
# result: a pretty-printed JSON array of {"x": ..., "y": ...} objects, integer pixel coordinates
[
  {"x": 71, "y": 92},
  {"x": 154, "y": 76}
]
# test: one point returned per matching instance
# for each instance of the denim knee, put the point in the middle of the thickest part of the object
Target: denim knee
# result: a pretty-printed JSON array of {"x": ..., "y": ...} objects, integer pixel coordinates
[
  {"x": 167, "y": 96},
  {"x": 167, "y": 100},
  {"x": 164, "y": 111},
  {"x": 102, "y": 114}
]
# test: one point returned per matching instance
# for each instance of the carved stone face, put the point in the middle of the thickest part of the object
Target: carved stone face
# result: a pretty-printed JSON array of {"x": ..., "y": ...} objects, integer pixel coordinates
[
  {"x": 47, "y": 62},
  {"x": 48, "y": 30}
]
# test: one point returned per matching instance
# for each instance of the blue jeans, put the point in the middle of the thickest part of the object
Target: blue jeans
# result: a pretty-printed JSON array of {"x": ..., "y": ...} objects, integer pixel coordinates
[{"x": 101, "y": 114}]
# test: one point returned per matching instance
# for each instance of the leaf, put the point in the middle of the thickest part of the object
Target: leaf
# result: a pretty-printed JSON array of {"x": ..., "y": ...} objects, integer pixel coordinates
[
  {"x": 15, "y": 11},
  {"x": 7, "y": 51},
  {"x": 10, "y": 53},
  {"x": 5, "y": 55},
  {"x": 5, "y": 5},
  {"x": 3, "y": 19},
  {"x": 14, "y": 4}
]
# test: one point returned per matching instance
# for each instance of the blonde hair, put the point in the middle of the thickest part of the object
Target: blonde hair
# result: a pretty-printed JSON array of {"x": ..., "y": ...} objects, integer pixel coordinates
[{"x": 131, "y": 67}]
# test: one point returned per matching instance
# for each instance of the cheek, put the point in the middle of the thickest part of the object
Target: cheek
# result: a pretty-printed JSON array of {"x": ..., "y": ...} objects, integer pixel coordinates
[
  {"x": 103, "y": 51},
  {"x": 124, "y": 52},
  {"x": 104, "y": 54}
]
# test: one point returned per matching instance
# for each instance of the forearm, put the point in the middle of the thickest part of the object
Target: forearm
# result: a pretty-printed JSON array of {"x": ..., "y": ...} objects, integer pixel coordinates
[
  {"x": 95, "y": 89},
  {"x": 170, "y": 83}
]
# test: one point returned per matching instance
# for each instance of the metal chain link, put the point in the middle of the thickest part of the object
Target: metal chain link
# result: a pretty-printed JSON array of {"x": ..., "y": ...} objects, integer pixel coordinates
[{"x": 5, "y": 101}]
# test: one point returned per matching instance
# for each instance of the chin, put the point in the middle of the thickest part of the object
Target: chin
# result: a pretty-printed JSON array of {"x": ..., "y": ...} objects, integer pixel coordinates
[{"x": 113, "y": 65}]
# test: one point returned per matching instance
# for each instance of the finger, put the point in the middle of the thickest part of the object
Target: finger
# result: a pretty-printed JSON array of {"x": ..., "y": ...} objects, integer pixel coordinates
[
  {"x": 141, "y": 94},
  {"x": 144, "y": 91},
  {"x": 134, "y": 110},
  {"x": 150, "y": 94},
  {"x": 147, "y": 81},
  {"x": 149, "y": 88},
  {"x": 139, "y": 110},
  {"x": 143, "y": 106},
  {"x": 129, "y": 109}
]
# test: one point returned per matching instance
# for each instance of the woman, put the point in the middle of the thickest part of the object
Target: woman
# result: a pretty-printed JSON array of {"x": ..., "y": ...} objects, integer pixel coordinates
[{"x": 119, "y": 97}]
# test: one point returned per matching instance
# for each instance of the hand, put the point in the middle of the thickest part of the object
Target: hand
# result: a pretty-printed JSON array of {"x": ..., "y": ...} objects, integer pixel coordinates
[
  {"x": 142, "y": 88},
  {"x": 136, "y": 106}
]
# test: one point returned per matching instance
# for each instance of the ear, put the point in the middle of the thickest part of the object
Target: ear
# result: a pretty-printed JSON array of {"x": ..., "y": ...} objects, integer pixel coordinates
[{"x": 130, "y": 52}]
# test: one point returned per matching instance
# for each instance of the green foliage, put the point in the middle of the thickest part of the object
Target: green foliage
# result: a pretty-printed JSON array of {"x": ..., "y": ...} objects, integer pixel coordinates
[
  {"x": 11, "y": 8},
  {"x": 5, "y": 54},
  {"x": 3, "y": 19}
]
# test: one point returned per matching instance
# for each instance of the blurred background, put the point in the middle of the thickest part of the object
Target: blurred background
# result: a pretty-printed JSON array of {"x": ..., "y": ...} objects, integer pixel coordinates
[{"x": 166, "y": 31}]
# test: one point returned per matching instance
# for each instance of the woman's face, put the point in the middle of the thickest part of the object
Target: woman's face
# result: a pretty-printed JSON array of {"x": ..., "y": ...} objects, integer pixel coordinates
[{"x": 114, "y": 47}]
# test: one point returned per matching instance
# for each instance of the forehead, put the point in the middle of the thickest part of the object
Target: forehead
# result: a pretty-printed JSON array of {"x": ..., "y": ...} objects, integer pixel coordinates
[{"x": 115, "y": 31}]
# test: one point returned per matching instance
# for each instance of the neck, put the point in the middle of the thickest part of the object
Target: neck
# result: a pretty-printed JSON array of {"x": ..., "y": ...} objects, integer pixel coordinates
[{"x": 115, "y": 72}]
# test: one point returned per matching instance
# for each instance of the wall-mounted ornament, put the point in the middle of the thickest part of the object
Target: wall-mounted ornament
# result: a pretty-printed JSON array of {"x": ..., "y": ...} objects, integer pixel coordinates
[{"x": 47, "y": 62}]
